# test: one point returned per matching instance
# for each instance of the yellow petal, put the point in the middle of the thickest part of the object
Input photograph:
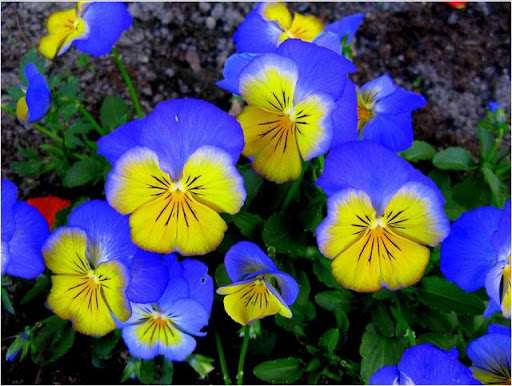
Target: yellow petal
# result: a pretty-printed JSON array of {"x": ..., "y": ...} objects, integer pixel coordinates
[
  {"x": 271, "y": 139},
  {"x": 65, "y": 252},
  {"x": 305, "y": 27},
  {"x": 177, "y": 222},
  {"x": 22, "y": 109},
  {"x": 248, "y": 302},
  {"x": 350, "y": 215},
  {"x": 277, "y": 12},
  {"x": 112, "y": 277},
  {"x": 410, "y": 213},
  {"x": 212, "y": 179},
  {"x": 136, "y": 180},
  {"x": 158, "y": 330}
]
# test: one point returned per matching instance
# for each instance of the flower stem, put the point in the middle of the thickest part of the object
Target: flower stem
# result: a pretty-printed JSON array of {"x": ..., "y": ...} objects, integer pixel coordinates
[
  {"x": 36, "y": 126},
  {"x": 222, "y": 359},
  {"x": 243, "y": 351},
  {"x": 495, "y": 146},
  {"x": 129, "y": 83},
  {"x": 89, "y": 118}
]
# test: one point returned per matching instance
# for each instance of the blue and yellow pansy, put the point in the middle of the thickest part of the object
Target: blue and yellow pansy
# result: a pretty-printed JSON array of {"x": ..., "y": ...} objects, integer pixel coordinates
[
  {"x": 93, "y": 27},
  {"x": 24, "y": 231},
  {"x": 382, "y": 215},
  {"x": 97, "y": 270},
  {"x": 270, "y": 24},
  {"x": 425, "y": 364},
  {"x": 253, "y": 294},
  {"x": 35, "y": 102},
  {"x": 290, "y": 96},
  {"x": 174, "y": 172},
  {"x": 167, "y": 327},
  {"x": 477, "y": 254},
  {"x": 490, "y": 355},
  {"x": 382, "y": 113}
]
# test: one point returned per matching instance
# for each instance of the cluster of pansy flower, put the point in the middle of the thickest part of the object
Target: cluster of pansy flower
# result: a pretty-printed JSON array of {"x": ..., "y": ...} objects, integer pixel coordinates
[{"x": 174, "y": 172}]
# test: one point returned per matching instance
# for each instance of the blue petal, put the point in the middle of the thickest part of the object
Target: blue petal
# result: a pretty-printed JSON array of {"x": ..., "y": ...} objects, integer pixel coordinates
[
  {"x": 149, "y": 278},
  {"x": 106, "y": 229},
  {"x": 400, "y": 101},
  {"x": 344, "y": 116},
  {"x": 346, "y": 26},
  {"x": 491, "y": 352},
  {"x": 182, "y": 351},
  {"x": 188, "y": 315},
  {"x": 232, "y": 69},
  {"x": 501, "y": 238},
  {"x": 177, "y": 286},
  {"x": 275, "y": 293},
  {"x": 492, "y": 307},
  {"x": 321, "y": 71},
  {"x": 106, "y": 22},
  {"x": 256, "y": 35},
  {"x": 38, "y": 93},
  {"x": 25, "y": 246},
  {"x": 494, "y": 106},
  {"x": 467, "y": 254},
  {"x": 498, "y": 329},
  {"x": 381, "y": 87},
  {"x": 386, "y": 375},
  {"x": 329, "y": 40},
  {"x": 177, "y": 128},
  {"x": 245, "y": 258},
  {"x": 113, "y": 145},
  {"x": 288, "y": 287},
  {"x": 372, "y": 168},
  {"x": 426, "y": 364},
  {"x": 136, "y": 348},
  {"x": 493, "y": 281},
  {"x": 9, "y": 196},
  {"x": 392, "y": 131},
  {"x": 199, "y": 282}
]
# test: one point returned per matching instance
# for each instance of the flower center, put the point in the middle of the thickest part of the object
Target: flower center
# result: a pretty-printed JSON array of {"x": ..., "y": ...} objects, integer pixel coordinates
[{"x": 365, "y": 106}]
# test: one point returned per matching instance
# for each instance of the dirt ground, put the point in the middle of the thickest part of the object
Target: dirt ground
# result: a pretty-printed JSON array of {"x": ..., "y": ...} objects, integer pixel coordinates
[{"x": 459, "y": 60}]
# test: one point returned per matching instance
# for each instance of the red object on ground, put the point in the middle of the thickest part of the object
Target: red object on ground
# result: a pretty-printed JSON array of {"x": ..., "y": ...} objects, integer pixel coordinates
[
  {"x": 457, "y": 4},
  {"x": 49, "y": 206}
]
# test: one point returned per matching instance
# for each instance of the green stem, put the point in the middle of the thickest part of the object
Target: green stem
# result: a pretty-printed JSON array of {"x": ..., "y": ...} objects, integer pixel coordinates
[
  {"x": 129, "y": 83},
  {"x": 294, "y": 187},
  {"x": 36, "y": 126},
  {"x": 89, "y": 118},
  {"x": 243, "y": 351},
  {"x": 397, "y": 313},
  {"x": 222, "y": 359},
  {"x": 495, "y": 147}
]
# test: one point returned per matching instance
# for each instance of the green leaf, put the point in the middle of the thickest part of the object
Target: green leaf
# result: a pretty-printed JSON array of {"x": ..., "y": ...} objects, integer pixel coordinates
[
  {"x": 454, "y": 158},
  {"x": 278, "y": 232},
  {"x": 221, "y": 276},
  {"x": 250, "y": 225},
  {"x": 332, "y": 300},
  {"x": 283, "y": 371},
  {"x": 445, "y": 296},
  {"x": 83, "y": 172},
  {"x": 113, "y": 112},
  {"x": 419, "y": 151},
  {"x": 52, "y": 340},
  {"x": 15, "y": 92},
  {"x": 40, "y": 285},
  {"x": 132, "y": 369},
  {"x": 313, "y": 215},
  {"x": 252, "y": 182},
  {"x": 486, "y": 140},
  {"x": 6, "y": 301},
  {"x": 322, "y": 270},
  {"x": 377, "y": 350},
  {"x": 30, "y": 168},
  {"x": 382, "y": 321},
  {"x": 104, "y": 346},
  {"x": 201, "y": 364},
  {"x": 329, "y": 340},
  {"x": 471, "y": 193},
  {"x": 498, "y": 188},
  {"x": 160, "y": 373},
  {"x": 443, "y": 341},
  {"x": 70, "y": 87}
]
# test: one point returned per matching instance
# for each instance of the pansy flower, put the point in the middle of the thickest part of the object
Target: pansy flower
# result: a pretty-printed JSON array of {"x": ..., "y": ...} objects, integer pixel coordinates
[
  {"x": 290, "y": 96},
  {"x": 24, "y": 231},
  {"x": 490, "y": 355},
  {"x": 270, "y": 24},
  {"x": 168, "y": 326},
  {"x": 477, "y": 254},
  {"x": 382, "y": 215},
  {"x": 425, "y": 364},
  {"x": 49, "y": 207},
  {"x": 35, "y": 102},
  {"x": 174, "y": 172},
  {"x": 93, "y": 27},
  {"x": 97, "y": 270},
  {"x": 253, "y": 294},
  {"x": 382, "y": 114}
]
